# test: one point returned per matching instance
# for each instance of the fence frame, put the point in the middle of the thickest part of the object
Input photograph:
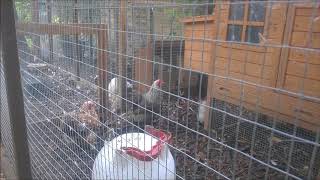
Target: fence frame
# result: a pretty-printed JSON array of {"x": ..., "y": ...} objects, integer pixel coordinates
[
  {"x": 14, "y": 91},
  {"x": 100, "y": 30}
]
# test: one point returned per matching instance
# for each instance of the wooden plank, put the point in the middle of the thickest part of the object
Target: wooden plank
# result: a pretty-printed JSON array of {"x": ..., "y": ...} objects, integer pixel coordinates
[
  {"x": 207, "y": 117},
  {"x": 302, "y": 55},
  {"x": 198, "y": 45},
  {"x": 77, "y": 46},
  {"x": 199, "y": 31},
  {"x": 244, "y": 68},
  {"x": 143, "y": 68},
  {"x": 275, "y": 34},
  {"x": 246, "y": 55},
  {"x": 304, "y": 123},
  {"x": 310, "y": 87},
  {"x": 305, "y": 23},
  {"x": 241, "y": 76},
  {"x": 301, "y": 39},
  {"x": 283, "y": 61},
  {"x": 198, "y": 19},
  {"x": 35, "y": 18},
  {"x": 302, "y": 109},
  {"x": 268, "y": 99},
  {"x": 60, "y": 29},
  {"x": 274, "y": 31},
  {"x": 223, "y": 13},
  {"x": 307, "y": 11},
  {"x": 277, "y": 13},
  {"x": 250, "y": 23},
  {"x": 49, "y": 16},
  {"x": 224, "y": 5},
  {"x": 241, "y": 46},
  {"x": 219, "y": 11},
  {"x": 199, "y": 66},
  {"x": 276, "y": 23},
  {"x": 222, "y": 20},
  {"x": 122, "y": 46},
  {"x": 258, "y": 71},
  {"x": 245, "y": 22},
  {"x": 102, "y": 74},
  {"x": 196, "y": 56},
  {"x": 298, "y": 69}
]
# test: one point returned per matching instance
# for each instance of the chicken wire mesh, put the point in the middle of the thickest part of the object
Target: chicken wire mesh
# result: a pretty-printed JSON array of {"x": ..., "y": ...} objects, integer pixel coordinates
[
  {"x": 240, "y": 98},
  {"x": 6, "y": 135}
]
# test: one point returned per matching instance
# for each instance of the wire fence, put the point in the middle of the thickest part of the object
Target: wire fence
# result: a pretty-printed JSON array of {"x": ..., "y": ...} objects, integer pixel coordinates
[{"x": 168, "y": 89}]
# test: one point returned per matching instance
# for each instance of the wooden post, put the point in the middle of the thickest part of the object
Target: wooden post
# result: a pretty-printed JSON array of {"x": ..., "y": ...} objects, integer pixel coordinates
[
  {"x": 123, "y": 44},
  {"x": 14, "y": 91},
  {"x": 143, "y": 69},
  {"x": 35, "y": 18},
  {"x": 207, "y": 116},
  {"x": 151, "y": 47},
  {"x": 75, "y": 21},
  {"x": 49, "y": 10},
  {"x": 91, "y": 36},
  {"x": 102, "y": 75}
]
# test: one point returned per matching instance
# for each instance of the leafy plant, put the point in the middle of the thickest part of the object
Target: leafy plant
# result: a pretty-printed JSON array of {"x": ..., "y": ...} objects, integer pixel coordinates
[
  {"x": 56, "y": 19},
  {"x": 29, "y": 42},
  {"x": 23, "y": 10}
]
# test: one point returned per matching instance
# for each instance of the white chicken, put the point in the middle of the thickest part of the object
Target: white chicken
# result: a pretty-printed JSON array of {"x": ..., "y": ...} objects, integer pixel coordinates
[
  {"x": 136, "y": 156},
  {"x": 114, "y": 93},
  {"x": 154, "y": 92},
  {"x": 145, "y": 106},
  {"x": 201, "y": 111}
]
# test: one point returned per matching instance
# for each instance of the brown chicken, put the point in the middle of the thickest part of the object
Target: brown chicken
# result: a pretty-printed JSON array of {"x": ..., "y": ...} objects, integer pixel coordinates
[
  {"x": 81, "y": 125},
  {"x": 88, "y": 114}
]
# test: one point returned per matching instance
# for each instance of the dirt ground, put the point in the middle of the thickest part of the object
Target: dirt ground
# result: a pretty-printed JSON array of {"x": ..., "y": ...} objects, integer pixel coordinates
[
  {"x": 197, "y": 152},
  {"x": 2, "y": 177}
]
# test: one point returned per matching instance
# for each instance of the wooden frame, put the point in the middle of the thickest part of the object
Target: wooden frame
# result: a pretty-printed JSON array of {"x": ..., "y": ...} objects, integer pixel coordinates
[
  {"x": 244, "y": 22},
  {"x": 100, "y": 30},
  {"x": 285, "y": 51}
]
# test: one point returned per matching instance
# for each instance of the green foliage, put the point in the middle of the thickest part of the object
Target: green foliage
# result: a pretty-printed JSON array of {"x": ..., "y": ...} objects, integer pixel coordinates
[
  {"x": 23, "y": 8},
  {"x": 29, "y": 42},
  {"x": 177, "y": 13},
  {"x": 56, "y": 19}
]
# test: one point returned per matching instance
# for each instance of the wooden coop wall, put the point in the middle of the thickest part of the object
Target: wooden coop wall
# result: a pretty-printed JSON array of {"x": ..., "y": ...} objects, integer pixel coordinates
[
  {"x": 198, "y": 48},
  {"x": 143, "y": 68},
  {"x": 297, "y": 61},
  {"x": 268, "y": 64},
  {"x": 166, "y": 53}
]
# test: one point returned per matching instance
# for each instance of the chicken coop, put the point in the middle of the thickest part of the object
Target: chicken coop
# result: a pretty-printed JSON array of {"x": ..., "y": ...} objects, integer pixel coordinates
[
  {"x": 160, "y": 89},
  {"x": 282, "y": 73}
]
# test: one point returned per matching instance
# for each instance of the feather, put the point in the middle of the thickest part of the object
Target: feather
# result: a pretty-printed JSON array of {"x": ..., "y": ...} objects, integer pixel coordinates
[
  {"x": 201, "y": 111},
  {"x": 114, "y": 93}
]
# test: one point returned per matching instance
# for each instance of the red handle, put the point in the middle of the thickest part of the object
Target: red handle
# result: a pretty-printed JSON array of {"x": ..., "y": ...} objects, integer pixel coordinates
[{"x": 155, "y": 150}]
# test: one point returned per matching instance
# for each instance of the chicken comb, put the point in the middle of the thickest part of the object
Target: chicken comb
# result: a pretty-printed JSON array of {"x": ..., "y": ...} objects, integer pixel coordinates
[{"x": 159, "y": 82}]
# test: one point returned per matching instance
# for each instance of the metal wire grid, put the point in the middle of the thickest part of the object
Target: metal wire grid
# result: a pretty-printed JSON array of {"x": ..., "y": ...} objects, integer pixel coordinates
[
  {"x": 52, "y": 95},
  {"x": 6, "y": 134}
]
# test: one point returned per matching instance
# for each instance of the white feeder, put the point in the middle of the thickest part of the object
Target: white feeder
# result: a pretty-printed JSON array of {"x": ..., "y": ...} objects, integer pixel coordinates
[{"x": 136, "y": 156}]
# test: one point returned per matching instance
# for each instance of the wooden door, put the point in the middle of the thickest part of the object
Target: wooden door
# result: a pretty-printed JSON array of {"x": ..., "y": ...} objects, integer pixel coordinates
[{"x": 300, "y": 62}]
